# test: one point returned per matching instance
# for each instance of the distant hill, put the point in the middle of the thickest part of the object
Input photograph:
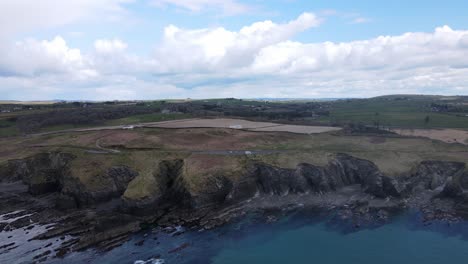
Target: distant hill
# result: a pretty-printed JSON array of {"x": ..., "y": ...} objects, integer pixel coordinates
[{"x": 420, "y": 97}]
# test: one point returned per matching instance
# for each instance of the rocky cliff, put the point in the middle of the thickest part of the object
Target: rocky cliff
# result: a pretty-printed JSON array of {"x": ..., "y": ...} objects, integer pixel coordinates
[
  {"x": 164, "y": 193},
  {"x": 50, "y": 173},
  {"x": 166, "y": 188},
  {"x": 343, "y": 171},
  {"x": 166, "y": 185},
  {"x": 42, "y": 173}
]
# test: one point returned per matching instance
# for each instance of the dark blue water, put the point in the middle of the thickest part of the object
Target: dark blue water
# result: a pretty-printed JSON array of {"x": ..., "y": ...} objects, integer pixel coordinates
[{"x": 299, "y": 239}]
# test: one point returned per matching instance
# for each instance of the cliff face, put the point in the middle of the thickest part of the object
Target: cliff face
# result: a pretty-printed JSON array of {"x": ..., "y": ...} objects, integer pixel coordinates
[
  {"x": 165, "y": 194},
  {"x": 169, "y": 189},
  {"x": 113, "y": 183},
  {"x": 42, "y": 173},
  {"x": 166, "y": 186},
  {"x": 258, "y": 179},
  {"x": 343, "y": 171},
  {"x": 50, "y": 173},
  {"x": 434, "y": 174}
]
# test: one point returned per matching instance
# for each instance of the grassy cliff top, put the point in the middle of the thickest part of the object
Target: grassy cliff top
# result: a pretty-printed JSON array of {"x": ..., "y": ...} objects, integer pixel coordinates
[{"x": 211, "y": 152}]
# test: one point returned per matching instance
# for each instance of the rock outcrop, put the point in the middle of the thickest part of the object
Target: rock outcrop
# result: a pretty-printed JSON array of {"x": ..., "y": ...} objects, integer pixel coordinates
[
  {"x": 113, "y": 183},
  {"x": 42, "y": 173},
  {"x": 163, "y": 194},
  {"x": 166, "y": 185},
  {"x": 343, "y": 171},
  {"x": 433, "y": 174},
  {"x": 50, "y": 173},
  {"x": 214, "y": 192},
  {"x": 168, "y": 189}
]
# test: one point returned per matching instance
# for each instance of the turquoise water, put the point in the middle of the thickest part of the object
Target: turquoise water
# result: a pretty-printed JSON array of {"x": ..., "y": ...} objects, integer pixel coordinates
[
  {"x": 299, "y": 239},
  {"x": 393, "y": 243}
]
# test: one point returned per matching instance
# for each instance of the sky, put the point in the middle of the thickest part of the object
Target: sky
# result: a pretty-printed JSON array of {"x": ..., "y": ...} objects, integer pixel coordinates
[{"x": 163, "y": 49}]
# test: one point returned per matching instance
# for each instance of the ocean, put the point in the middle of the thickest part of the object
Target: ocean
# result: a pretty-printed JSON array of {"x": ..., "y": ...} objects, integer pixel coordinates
[{"x": 299, "y": 238}]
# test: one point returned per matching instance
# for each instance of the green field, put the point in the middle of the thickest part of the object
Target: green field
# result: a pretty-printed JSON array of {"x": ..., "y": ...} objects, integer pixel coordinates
[
  {"x": 8, "y": 128},
  {"x": 158, "y": 117},
  {"x": 394, "y": 113}
]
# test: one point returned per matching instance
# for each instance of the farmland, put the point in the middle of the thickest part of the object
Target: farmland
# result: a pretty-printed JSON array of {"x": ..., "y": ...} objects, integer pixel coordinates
[{"x": 388, "y": 112}]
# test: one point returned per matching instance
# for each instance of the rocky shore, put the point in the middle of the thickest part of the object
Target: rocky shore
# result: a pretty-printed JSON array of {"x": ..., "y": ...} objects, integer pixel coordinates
[{"x": 40, "y": 196}]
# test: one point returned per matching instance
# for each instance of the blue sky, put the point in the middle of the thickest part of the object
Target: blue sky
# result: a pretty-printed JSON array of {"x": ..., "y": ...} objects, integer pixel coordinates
[
  {"x": 152, "y": 49},
  {"x": 383, "y": 18}
]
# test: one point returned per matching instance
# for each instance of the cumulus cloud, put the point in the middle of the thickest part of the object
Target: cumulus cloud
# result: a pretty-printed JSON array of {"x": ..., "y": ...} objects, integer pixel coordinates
[
  {"x": 258, "y": 60},
  {"x": 228, "y": 7},
  {"x": 111, "y": 57},
  {"x": 445, "y": 48},
  {"x": 207, "y": 49},
  {"x": 33, "y": 57}
]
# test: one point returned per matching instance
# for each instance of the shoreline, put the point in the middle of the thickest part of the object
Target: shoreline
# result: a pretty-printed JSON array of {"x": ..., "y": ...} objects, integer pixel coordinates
[{"x": 353, "y": 188}]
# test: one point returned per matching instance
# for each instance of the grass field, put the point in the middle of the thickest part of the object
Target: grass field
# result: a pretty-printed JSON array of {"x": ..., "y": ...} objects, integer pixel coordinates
[
  {"x": 141, "y": 149},
  {"x": 394, "y": 113},
  {"x": 147, "y": 118},
  {"x": 446, "y": 135},
  {"x": 399, "y": 111},
  {"x": 207, "y": 151},
  {"x": 392, "y": 154},
  {"x": 8, "y": 128}
]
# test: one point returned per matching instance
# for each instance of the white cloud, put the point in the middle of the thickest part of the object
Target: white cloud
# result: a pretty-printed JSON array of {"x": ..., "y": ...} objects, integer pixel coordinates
[
  {"x": 259, "y": 60},
  {"x": 208, "y": 49},
  {"x": 443, "y": 48},
  {"x": 228, "y": 7},
  {"x": 105, "y": 46},
  {"x": 33, "y": 57}
]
